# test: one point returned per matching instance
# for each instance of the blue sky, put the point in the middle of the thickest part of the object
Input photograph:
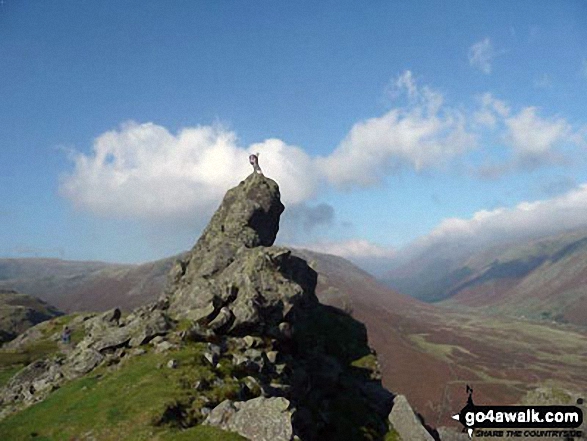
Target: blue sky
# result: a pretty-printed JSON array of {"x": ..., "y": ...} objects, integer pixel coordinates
[{"x": 385, "y": 123}]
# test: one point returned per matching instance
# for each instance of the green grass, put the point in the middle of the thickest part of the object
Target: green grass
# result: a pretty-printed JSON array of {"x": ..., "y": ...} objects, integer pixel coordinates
[
  {"x": 6, "y": 373},
  {"x": 125, "y": 403},
  {"x": 35, "y": 351},
  {"x": 392, "y": 435},
  {"x": 11, "y": 361}
]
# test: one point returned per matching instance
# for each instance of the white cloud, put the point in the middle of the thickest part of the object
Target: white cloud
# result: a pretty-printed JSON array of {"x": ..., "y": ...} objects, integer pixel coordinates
[
  {"x": 356, "y": 248},
  {"x": 367, "y": 255},
  {"x": 546, "y": 216},
  {"x": 491, "y": 110},
  {"x": 531, "y": 135},
  {"x": 422, "y": 134},
  {"x": 481, "y": 55},
  {"x": 144, "y": 171},
  {"x": 533, "y": 140}
]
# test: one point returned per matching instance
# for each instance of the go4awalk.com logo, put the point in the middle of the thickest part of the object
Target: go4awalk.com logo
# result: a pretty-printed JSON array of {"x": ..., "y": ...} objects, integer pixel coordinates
[{"x": 520, "y": 421}]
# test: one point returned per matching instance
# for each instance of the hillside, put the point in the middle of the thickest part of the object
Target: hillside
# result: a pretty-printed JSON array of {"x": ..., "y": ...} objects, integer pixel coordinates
[
  {"x": 430, "y": 353},
  {"x": 540, "y": 279},
  {"x": 18, "y": 312},
  {"x": 86, "y": 286},
  {"x": 426, "y": 352}
]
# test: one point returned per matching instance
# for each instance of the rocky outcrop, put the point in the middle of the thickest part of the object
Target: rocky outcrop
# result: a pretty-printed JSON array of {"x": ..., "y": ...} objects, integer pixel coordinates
[
  {"x": 303, "y": 369},
  {"x": 233, "y": 281},
  {"x": 19, "y": 312},
  {"x": 107, "y": 336}
]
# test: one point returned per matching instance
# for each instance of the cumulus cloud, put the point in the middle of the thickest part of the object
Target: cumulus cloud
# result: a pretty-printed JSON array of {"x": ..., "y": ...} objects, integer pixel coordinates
[
  {"x": 422, "y": 134},
  {"x": 481, "y": 55},
  {"x": 532, "y": 140},
  {"x": 356, "y": 248},
  {"x": 533, "y": 136},
  {"x": 491, "y": 110},
  {"x": 144, "y": 171},
  {"x": 563, "y": 212}
]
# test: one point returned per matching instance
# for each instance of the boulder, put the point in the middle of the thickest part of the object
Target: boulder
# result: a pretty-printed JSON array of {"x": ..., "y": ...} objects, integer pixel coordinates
[
  {"x": 406, "y": 422},
  {"x": 259, "y": 419}
]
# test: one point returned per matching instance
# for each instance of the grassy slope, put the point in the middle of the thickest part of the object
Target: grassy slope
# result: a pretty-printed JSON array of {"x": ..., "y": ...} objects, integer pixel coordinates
[
  {"x": 142, "y": 399},
  {"x": 116, "y": 404},
  {"x": 46, "y": 344},
  {"x": 125, "y": 401}
]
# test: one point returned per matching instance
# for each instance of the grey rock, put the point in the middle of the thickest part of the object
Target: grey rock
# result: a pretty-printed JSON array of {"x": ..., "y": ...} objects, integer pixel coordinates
[
  {"x": 272, "y": 356},
  {"x": 221, "y": 415},
  {"x": 164, "y": 346},
  {"x": 111, "y": 339},
  {"x": 172, "y": 364},
  {"x": 259, "y": 419},
  {"x": 239, "y": 360},
  {"x": 199, "y": 332},
  {"x": 211, "y": 358},
  {"x": 255, "y": 359},
  {"x": 224, "y": 316},
  {"x": 252, "y": 385},
  {"x": 252, "y": 342},
  {"x": 233, "y": 281},
  {"x": 285, "y": 330},
  {"x": 405, "y": 421},
  {"x": 156, "y": 340},
  {"x": 205, "y": 313},
  {"x": 83, "y": 361},
  {"x": 148, "y": 326},
  {"x": 137, "y": 351}
]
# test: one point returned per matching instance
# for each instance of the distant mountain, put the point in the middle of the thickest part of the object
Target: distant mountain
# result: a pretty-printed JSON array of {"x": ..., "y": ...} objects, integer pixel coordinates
[
  {"x": 541, "y": 278},
  {"x": 86, "y": 286},
  {"x": 18, "y": 312}
]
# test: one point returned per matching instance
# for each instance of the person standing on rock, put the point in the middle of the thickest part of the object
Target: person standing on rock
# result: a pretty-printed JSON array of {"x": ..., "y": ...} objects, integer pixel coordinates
[
  {"x": 66, "y": 335},
  {"x": 254, "y": 161}
]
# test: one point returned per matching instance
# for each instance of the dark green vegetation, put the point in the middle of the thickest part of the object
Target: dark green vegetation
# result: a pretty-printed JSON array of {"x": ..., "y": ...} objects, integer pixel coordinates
[{"x": 18, "y": 312}]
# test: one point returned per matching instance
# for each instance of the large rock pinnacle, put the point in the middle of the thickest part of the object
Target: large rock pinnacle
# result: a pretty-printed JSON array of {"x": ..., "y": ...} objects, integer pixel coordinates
[
  {"x": 233, "y": 280},
  {"x": 249, "y": 215}
]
